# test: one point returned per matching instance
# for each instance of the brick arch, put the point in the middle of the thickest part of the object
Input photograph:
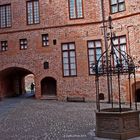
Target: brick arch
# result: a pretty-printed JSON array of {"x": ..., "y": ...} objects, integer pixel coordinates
[
  {"x": 48, "y": 77},
  {"x": 21, "y": 66},
  {"x": 44, "y": 75},
  {"x": 12, "y": 82}
]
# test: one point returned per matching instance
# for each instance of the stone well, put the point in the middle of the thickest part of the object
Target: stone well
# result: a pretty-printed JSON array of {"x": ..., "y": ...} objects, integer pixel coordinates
[{"x": 110, "y": 123}]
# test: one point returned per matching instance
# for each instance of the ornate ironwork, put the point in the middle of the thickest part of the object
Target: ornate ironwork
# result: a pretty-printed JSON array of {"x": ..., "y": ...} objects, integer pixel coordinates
[{"x": 114, "y": 62}]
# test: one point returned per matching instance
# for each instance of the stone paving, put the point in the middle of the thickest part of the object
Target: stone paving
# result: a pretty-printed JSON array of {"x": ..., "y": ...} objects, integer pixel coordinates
[{"x": 30, "y": 119}]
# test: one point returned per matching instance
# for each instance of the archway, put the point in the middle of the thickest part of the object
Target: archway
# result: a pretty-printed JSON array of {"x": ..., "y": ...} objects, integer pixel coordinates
[
  {"x": 136, "y": 91},
  {"x": 48, "y": 86},
  {"x": 29, "y": 85},
  {"x": 12, "y": 81},
  {"x": 138, "y": 95}
]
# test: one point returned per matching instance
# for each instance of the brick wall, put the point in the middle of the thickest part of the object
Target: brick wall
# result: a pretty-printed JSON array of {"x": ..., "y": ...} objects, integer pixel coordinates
[{"x": 54, "y": 20}]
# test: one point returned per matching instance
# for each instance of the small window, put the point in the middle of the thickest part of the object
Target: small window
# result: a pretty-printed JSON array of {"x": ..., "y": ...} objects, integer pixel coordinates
[
  {"x": 5, "y": 16},
  {"x": 46, "y": 65},
  {"x": 54, "y": 42},
  {"x": 4, "y": 45},
  {"x": 117, "y": 6},
  {"x": 45, "y": 40},
  {"x": 33, "y": 12},
  {"x": 23, "y": 44}
]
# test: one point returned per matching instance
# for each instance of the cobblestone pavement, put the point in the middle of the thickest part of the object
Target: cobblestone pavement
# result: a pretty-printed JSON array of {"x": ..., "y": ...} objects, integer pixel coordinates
[{"x": 30, "y": 119}]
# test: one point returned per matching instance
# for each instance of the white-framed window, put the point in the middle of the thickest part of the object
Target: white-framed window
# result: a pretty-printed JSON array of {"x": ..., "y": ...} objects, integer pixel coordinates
[
  {"x": 94, "y": 53},
  {"x": 120, "y": 49},
  {"x": 45, "y": 40},
  {"x": 69, "y": 59},
  {"x": 117, "y": 6},
  {"x": 5, "y": 16},
  {"x": 23, "y": 44},
  {"x": 4, "y": 45},
  {"x": 76, "y": 9},
  {"x": 33, "y": 12}
]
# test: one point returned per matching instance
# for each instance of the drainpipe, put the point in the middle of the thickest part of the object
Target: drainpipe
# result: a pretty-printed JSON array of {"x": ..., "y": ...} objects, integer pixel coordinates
[{"x": 106, "y": 46}]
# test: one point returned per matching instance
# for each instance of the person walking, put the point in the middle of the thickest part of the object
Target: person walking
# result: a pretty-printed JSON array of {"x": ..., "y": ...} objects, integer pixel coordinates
[{"x": 32, "y": 87}]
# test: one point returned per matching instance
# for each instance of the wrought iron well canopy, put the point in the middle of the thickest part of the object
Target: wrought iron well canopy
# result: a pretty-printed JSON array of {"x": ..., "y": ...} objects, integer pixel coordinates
[{"x": 114, "y": 62}]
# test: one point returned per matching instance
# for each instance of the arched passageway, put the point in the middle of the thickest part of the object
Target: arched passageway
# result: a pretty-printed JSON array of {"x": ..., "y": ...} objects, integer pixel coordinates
[
  {"x": 48, "y": 86},
  {"x": 12, "y": 81},
  {"x": 29, "y": 80}
]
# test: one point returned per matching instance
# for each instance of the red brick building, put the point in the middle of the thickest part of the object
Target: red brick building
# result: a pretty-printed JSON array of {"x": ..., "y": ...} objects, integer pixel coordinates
[{"x": 58, "y": 40}]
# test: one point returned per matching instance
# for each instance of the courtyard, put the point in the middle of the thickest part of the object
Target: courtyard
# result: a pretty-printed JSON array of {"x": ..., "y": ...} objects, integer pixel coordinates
[{"x": 30, "y": 119}]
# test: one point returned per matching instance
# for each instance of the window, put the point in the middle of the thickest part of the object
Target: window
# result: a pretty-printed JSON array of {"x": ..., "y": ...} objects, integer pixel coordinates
[
  {"x": 94, "y": 53},
  {"x": 69, "y": 59},
  {"x": 117, "y": 6},
  {"x": 5, "y": 16},
  {"x": 54, "y": 42},
  {"x": 23, "y": 44},
  {"x": 33, "y": 12},
  {"x": 46, "y": 65},
  {"x": 120, "y": 49},
  {"x": 4, "y": 45},
  {"x": 45, "y": 40},
  {"x": 76, "y": 9}
]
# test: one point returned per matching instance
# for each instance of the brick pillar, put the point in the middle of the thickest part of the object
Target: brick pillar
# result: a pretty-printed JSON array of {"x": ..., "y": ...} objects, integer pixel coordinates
[
  {"x": 23, "y": 85},
  {"x": 0, "y": 90},
  {"x": 37, "y": 88}
]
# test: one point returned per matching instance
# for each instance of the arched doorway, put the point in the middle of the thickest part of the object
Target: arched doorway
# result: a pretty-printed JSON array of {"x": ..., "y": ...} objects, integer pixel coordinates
[
  {"x": 48, "y": 86},
  {"x": 12, "y": 81},
  {"x": 138, "y": 95},
  {"x": 136, "y": 91}
]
